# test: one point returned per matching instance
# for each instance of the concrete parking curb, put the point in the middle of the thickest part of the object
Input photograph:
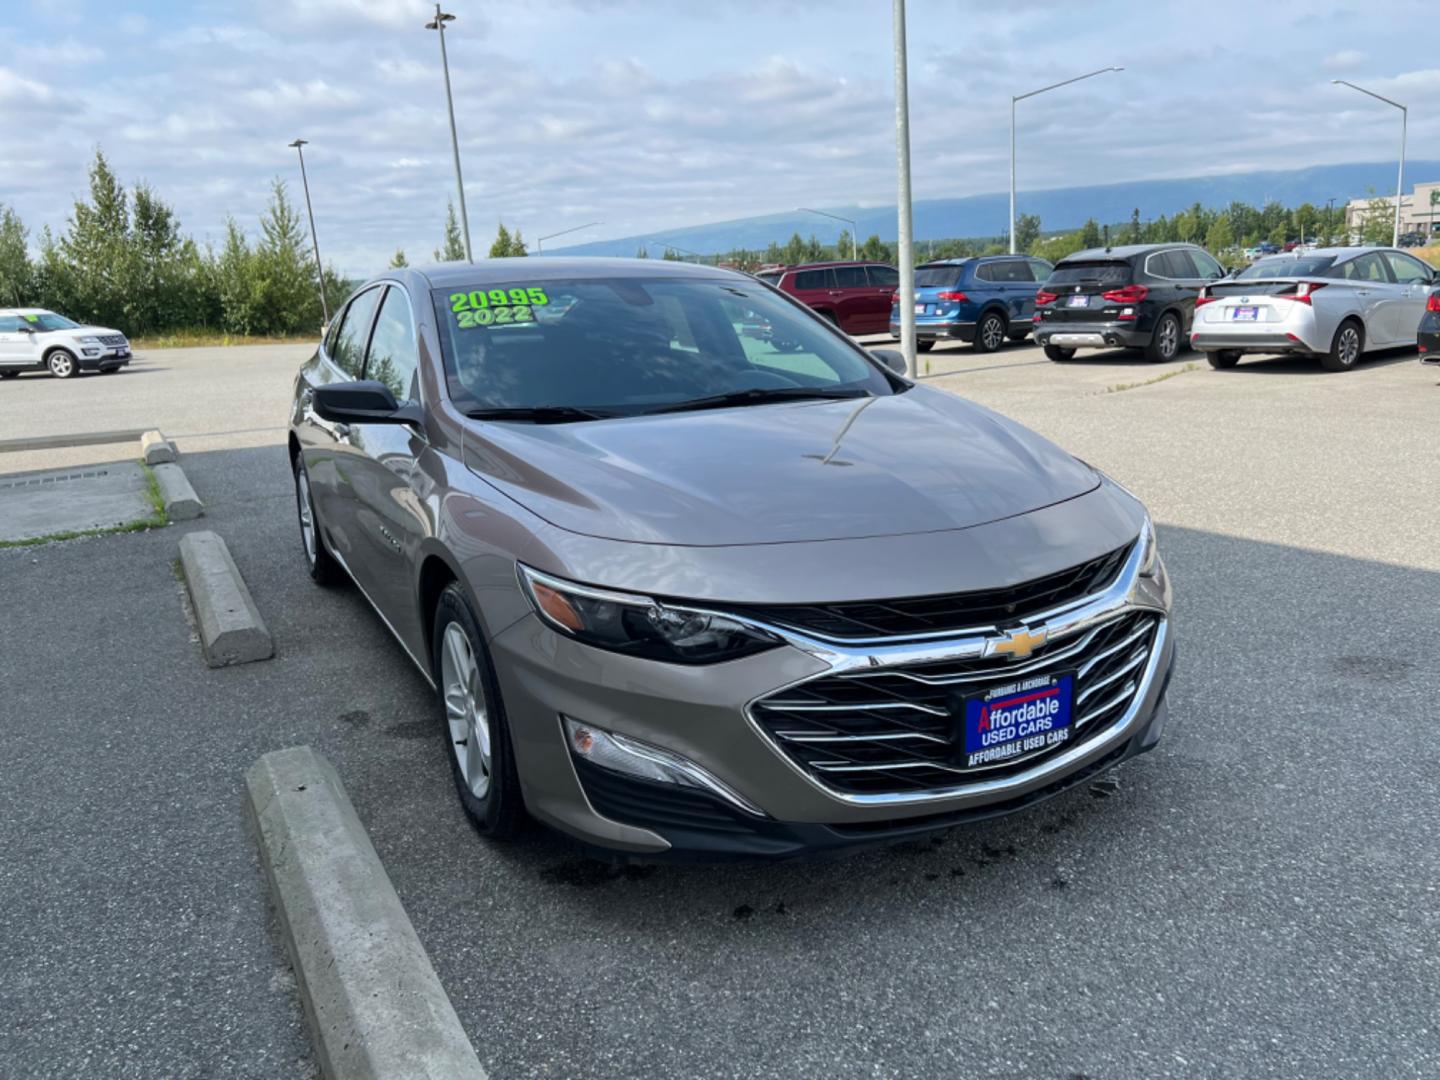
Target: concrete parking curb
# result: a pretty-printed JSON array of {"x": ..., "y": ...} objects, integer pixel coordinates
[
  {"x": 231, "y": 630},
  {"x": 156, "y": 449},
  {"x": 375, "y": 1006},
  {"x": 181, "y": 502}
]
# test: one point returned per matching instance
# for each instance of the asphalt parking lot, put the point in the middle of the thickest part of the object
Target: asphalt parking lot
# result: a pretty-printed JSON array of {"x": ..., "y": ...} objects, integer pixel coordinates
[{"x": 1260, "y": 897}]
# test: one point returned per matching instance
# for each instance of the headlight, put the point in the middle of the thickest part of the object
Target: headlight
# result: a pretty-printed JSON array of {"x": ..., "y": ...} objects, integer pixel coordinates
[
  {"x": 640, "y": 626},
  {"x": 89, "y": 341},
  {"x": 1149, "y": 549}
]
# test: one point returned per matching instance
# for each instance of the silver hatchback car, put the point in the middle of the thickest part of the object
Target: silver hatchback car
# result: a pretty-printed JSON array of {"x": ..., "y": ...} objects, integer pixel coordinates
[
  {"x": 1331, "y": 303},
  {"x": 684, "y": 593}
]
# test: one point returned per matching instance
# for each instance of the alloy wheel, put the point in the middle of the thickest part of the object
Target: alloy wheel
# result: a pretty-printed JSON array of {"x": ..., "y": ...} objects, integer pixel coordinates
[
  {"x": 993, "y": 333},
  {"x": 466, "y": 710},
  {"x": 1349, "y": 345},
  {"x": 1169, "y": 338},
  {"x": 307, "y": 514},
  {"x": 61, "y": 365}
]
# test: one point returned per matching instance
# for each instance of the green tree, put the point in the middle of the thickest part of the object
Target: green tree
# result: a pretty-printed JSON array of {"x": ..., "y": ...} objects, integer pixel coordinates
[
  {"x": 843, "y": 244},
  {"x": 876, "y": 250},
  {"x": 452, "y": 247},
  {"x": 794, "y": 250},
  {"x": 398, "y": 259},
  {"x": 506, "y": 245},
  {"x": 1136, "y": 234},
  {"x": 96, "y": 248},
  {"x": 284, "y": 267},
  {"x": 1090, "y": 234},
  {"x": 241, "y": 305},
  {"x": 17, "y": 276},
  {"x": 1377, "y": 226},
  {"x": 1307, "y": 220},
  {"x": 1220, "y": 238},
  {"x": 517, "y": 245},
  {"x": 1027, "y": 232},
  {"x": 641, "y": 252}
]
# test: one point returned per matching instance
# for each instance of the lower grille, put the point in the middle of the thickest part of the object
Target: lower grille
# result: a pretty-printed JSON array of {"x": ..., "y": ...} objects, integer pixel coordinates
[{"x": 900, "y": 729}]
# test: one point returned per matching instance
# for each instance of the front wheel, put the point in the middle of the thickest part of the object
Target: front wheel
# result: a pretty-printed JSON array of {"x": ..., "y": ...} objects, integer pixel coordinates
[
  {"x": 482, "y": 761},
  {"x": 1345, "y": 349},
  {"x": 990, "y": 333},
  {"x": 62, "y": 364},
  {"x": 1165, "y": 344},
  {"x": 1058, "y": 354},
  {"x": 1225, "y": 358},
  {"x": 324, "y": 570}
]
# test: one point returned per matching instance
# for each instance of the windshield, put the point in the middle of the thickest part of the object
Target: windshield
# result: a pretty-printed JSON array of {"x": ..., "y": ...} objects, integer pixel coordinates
[
  {"x": 1288, "y": 266},
  {"x": 1103, "y": 273},
  {"x": 622, "y": 346},
  {"x": 48, "y": 320},
  {"x": 937, "y": 277}
]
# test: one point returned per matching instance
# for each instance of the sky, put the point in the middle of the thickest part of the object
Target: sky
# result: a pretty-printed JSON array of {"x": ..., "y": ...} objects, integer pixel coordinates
[{"x": 653, "y": 114}]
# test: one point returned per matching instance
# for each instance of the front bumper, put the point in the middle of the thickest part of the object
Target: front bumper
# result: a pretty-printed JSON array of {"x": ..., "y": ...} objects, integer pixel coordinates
[
  {"x": 1077, "y": 335},
  {"x": 105, "y": 358},
  {"x": 704, "y": 715}
]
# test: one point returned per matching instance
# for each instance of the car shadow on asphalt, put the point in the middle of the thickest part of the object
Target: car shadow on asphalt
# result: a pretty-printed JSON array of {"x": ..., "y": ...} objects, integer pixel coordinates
[{"x": 1310, "y": 365}]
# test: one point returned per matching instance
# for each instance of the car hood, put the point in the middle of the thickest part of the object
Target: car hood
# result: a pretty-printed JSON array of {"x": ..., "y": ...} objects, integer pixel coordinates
[{"x": 921, "y": 461}]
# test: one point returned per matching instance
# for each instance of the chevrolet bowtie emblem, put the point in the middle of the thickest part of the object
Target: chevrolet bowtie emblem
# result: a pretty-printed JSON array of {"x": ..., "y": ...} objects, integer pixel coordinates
[{"x": 1017, "y": 644}]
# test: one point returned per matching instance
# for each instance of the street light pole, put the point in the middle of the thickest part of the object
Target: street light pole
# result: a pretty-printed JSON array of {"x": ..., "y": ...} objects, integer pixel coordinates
[
  {"x": 540, "y": 242},
  {"x": 438, "y": 23},
  {"x": 314, "y": 239},
  {"x": 825, "y": 213},
  {"x": 902, "y": 171},
  {"x": 1404, "y": 123},
  {"x": 1022, "y": 97}
]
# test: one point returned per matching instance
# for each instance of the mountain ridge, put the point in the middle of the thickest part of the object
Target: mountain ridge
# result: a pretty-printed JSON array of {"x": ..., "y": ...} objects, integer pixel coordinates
[{"x": 1059, "y": 208}]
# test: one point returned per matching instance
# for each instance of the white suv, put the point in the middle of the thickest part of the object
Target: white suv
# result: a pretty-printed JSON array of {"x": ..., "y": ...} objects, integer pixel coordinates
[{"x": 33, "y": 339}]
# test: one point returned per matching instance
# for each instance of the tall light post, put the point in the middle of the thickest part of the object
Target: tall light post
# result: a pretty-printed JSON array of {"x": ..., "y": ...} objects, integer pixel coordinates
[
  {"x": 1330, "y": 220},
  {"x": 1022, "y": 97},
  {"x": 438, "y": 23},
  {"x": 837, "y": 217},
  {"x": 299, "y": 144},
  {"x": 1404, "y": 123},
  {"x": 540, "y": 242},
  {"x": 902, "y": 173}
]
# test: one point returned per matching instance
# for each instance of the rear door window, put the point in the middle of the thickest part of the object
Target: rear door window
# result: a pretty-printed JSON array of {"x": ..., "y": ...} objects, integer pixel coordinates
[
  {"x": 815, "y": 279},
  {"x": 851, "y": 277},
  {"x": 9, "y": 324},
  {"x": 886, "y": 277},
  {"x": 1207, "y": 266},
  {"x": 1014, "y": 271},
  {"x": 1180, "y": 266},
  {"x": 1367, "y": 267},
  {"x": 1407, "y": 270}
]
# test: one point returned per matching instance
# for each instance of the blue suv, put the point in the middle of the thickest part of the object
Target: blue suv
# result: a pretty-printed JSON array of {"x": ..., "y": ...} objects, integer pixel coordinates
[{"x": 982, "y": 300}]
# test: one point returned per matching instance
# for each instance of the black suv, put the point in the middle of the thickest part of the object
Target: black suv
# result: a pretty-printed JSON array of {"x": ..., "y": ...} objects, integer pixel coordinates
[{"x": 1139, "y": 297}]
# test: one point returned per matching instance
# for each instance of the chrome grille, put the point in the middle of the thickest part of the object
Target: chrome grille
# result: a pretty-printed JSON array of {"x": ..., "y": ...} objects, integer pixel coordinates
[
  {"x": 900, "y": 729},
  {"x": 112, "y": 339}
]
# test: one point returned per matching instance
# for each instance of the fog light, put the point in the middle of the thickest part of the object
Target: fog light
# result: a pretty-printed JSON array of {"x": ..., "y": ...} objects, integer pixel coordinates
[{"x": 622, "y": 754}]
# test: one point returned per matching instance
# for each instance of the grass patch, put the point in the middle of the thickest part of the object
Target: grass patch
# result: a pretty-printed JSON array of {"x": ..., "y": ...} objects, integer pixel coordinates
[
  {"x": 1119, "y": 388},
  {"x": 190, "y": 339},
  {"x": 157, "y": 519},
  {"x": 1430, "y": 254}
]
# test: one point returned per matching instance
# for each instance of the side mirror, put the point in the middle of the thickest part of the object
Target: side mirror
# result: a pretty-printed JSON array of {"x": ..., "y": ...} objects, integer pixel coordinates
[
  {"x": 891, "y": 358},
  {"x": 366, "y": 402}
]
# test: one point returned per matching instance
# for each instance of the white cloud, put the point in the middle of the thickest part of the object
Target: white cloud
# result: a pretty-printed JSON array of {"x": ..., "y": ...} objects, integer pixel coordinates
[
  {"x": 1344, "y": 60},
  {"x": 16, "y": 90}
]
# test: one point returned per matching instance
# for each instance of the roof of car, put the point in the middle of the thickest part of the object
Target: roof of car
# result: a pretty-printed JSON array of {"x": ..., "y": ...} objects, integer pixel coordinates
[
  {"x": 976, "y": 259},
  {"x": 1119, "y": 252},
  {"x": 823, "y": 265},
  {"x": 548, "y": 268}
]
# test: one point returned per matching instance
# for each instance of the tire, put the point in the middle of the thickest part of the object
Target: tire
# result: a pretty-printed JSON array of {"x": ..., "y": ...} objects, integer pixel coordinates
[
  {"x": 924, "y": 346},
  {"x": 1165, "y": 342},
  {"x": 484, "y": 772},
  {"x": 1225, "y": 358},
  {"x": 1059, "y": 354},
  {"x": 62, "y": 364},
  {"x": 323, "y": 568},
  {"x": 1345, "y": 350},
  {"x": 990, "y": 332}
]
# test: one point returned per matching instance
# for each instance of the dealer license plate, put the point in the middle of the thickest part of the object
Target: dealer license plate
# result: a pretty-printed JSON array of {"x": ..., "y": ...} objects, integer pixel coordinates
[
  {"x": 1244, "y": 314},
  {"x": 1018, "y": 719},
  {"x": 1078, "y": 301},
  {"x": 919, "y": 309}
]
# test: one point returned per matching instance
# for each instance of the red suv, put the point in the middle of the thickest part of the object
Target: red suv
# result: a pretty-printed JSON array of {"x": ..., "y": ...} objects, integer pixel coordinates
[{"x": 855, "y": 296}]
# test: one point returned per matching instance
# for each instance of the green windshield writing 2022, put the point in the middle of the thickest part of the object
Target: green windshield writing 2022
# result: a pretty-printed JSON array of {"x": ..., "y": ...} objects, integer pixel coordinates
[{"x": 496, "y": 307}]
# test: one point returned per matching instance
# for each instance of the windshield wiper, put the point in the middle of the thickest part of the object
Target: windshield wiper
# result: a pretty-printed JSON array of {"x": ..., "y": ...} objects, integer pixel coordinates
[
  {"x": 761, "y": 396},
  {"x": 540, "y": 414}
]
